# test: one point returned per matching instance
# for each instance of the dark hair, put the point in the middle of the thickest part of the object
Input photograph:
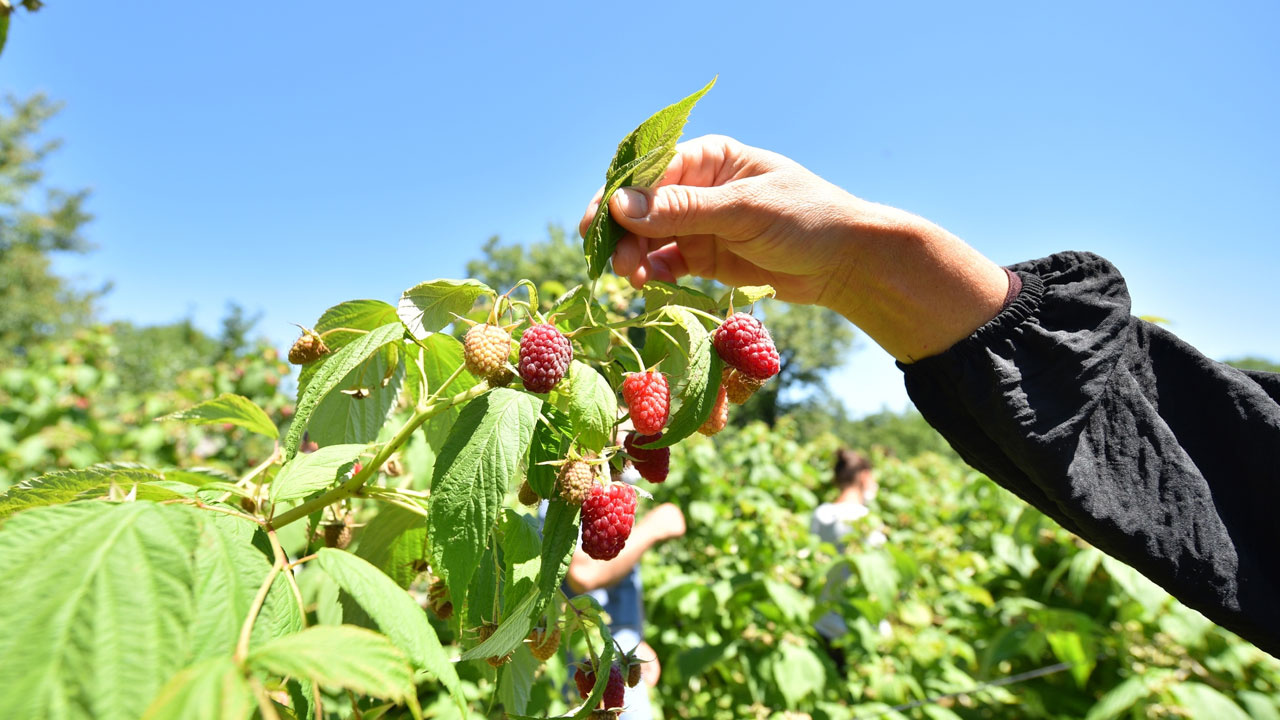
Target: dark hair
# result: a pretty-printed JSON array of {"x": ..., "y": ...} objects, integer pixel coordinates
[{"x": 849, "y": 464}]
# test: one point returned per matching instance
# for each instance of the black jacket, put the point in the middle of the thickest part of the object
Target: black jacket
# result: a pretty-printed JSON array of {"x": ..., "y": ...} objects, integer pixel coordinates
[{"x": 1125, "y": 435}]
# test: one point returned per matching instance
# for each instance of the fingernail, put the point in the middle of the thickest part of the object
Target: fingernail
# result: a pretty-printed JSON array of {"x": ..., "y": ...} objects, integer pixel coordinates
[{"x": 632, "y": 203}]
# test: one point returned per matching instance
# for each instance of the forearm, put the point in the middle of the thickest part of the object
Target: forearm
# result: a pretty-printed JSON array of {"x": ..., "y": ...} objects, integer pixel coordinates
[{"x": 913, "y": 287}]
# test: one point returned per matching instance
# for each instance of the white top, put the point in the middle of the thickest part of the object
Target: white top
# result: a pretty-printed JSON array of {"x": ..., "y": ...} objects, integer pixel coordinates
[{"x": 832, "y": 523}]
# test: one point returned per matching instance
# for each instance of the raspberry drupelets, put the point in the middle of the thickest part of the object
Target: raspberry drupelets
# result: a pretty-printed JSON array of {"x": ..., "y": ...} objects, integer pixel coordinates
[
  {"x": 653, "y": 464},
  {"x": 738, "y": 387},
  {"x": 485, "y": 349},
  {"x": 575, "y": 481},
  {"x": 746, "y": 346},
  {"x": 648, "y": 398},
  {"x": 544, "y": 357},
  {"x": 616, "y": 689},
  {"x": 607, "y": 517},
  {"x": 719, "y": 415}
]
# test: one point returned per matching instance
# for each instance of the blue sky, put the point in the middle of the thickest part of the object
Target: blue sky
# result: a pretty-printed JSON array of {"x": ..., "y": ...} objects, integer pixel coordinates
[{"x": 292, "y": 157}]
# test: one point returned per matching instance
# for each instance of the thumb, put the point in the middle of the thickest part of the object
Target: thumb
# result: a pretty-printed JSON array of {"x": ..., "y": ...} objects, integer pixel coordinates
[{"x": 678, "y": 210}]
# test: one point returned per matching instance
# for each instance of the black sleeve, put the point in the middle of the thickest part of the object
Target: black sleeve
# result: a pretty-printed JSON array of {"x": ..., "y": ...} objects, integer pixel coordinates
[{"x": 1125, "y": 435}]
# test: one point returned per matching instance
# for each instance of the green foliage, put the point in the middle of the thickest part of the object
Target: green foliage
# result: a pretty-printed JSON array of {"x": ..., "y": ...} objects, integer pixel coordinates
[
  {"x": 232, "y": 592},
  {"x": 1255, "y": 363}
]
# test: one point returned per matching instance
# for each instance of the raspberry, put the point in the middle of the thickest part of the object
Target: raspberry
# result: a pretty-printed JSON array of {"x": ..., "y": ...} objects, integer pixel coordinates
[
  {"x": 746, "y": 346},
  {"x": 633, "y": 674},
  {"x": 438, "y": 600},
  {"x": 307, "y": 348},
  {"x": 484, "y": 632},
  {"x": 575, "y": 481},
  {"x": 585, "y": 679},
  {"x": 719, "y": 415},
  {"x": 544, "y": 357},
  {"x": 338, "y": 535},
  {"x": 652, "y": 464},
  {"x": 485, "y": 350},
  {"x": 544, "y": 643},
  {"x": 527, "y": 495},
  {"x": 615, "y": 690},
  {"x": 603, "y": 715},
  {"x": 649, "y": 400},
  {"x": 607, "y": 517},
  {"x": 738, "y": 387}
]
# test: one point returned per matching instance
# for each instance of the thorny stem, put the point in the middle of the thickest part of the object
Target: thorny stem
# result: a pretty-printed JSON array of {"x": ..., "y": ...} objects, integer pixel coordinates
[
  {"x": 246, "y": 629},
  {"x": 301, "y": 560},
  {"x": 429, "y": 410},
  {"x": 343, "y": 329},
  {"x": 702, "y": 313},
  {"x": 288, "y": 574}
]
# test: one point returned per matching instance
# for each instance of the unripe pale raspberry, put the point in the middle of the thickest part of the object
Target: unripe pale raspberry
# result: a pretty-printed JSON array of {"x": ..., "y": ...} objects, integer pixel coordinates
[
  {"x": 307, "y": 348},
  {"x": 633, "y": 674},
  {"x": 544, "y": 643},
  {"x": 616, "y": 689},
  {"x": 545, "y": 354},
  {"x": 738, "y": 387},
  {"x": 607, "y": 517},
  {"x": 484, "y": 632},
  {"x": 438, "y": 600},
  {"x": 527, "y": 495},
  {"x": 485, "y": 350},
  {"x": 719, "y": 416},
  {"x": 653, "y": 464},
  {"x": 648, "y": 399},
  {"x": 746, "y": 346},
  {"x": 338, "y": 535},
  {"x": 575, "y": 481}
]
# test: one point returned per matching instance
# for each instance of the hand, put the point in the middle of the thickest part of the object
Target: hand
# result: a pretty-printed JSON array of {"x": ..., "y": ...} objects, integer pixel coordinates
[
  {"x": 734, "y": 213},
  {"x": 651, "y": 670},
  {"x": 665, "y": 521},
  {"x": 745, "y": 216}
]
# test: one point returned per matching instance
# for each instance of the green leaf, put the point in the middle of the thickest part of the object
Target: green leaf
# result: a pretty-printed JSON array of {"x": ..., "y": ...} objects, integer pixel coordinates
[
  {"x": 1069, "y": 647},
  {"x": 362, "y": 403},
  {"x": 1202, "y": 701},
  {"x": 65, "y": 486},
  {"x": 4, "y": 30},
  {"x": 1259, "y": 706},
  {"x": 443, "y": 356},
  {"x": 430, "y": 306},
  {"x": 658, "y": 294},
  {"x": 640, "y": 161},
  {"x": 798, "y": 672},
  {"x": 547, "y": 445},
  {"x": 483, "y": 454},
  {"x": 335, "y": 367},
  {"x": 517, "y": 680},
  {"x": 98, "y": 607},
  {"x": 396, "y": 614},
  {"x": 394, "y": 541},
  {"x": 211, "y": 690},
  {"x": 593, "y": 406},
  {"x": 700, "y": 386},
  {"x": 745, "y": 295},
  {"x": 228, "y": 408},
  {"x": 570, "y": 311},
  {"x": 521, "y": 554},
  {"x": 342, "y": 656},
  {"x": 354, "y": 314},
  {"x": 1119, "y": 699},
  {"x": 229, "y": 571},
  {"x": 309, "y": 472}
]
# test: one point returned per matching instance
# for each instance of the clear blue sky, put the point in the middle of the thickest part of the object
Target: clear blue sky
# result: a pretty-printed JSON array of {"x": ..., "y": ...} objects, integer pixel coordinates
[{"x": 293, "y": 156}]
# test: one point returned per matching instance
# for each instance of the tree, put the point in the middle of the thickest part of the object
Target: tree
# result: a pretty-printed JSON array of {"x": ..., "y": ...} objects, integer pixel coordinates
[
  {"x": 34, "y": 302},
  {"x": 1255, "y": 363}
]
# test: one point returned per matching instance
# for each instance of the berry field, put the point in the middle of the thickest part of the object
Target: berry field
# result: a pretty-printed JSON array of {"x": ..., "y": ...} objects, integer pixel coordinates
[{"x": 393, "y": 539}]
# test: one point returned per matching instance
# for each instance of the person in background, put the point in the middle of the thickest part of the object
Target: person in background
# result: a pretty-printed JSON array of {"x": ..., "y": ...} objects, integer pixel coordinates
[
  {"x": 615, "y": 584},
  {"x": 833, "y": 522}
]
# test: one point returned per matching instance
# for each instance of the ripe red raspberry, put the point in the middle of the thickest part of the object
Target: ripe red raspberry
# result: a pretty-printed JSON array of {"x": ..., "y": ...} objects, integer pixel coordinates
[
  {"x": 615, "y": 690},
  {"x": 485, "y": 350},
  {"x": 307, "y": 348},
  {"x": 738, "y": 387},
  {"x": 746, "y": 346},
  {"x": 544, "y": 357},
  {"x": 719, "y": 415},
  {"x": 607, "y": 517},
  {"x": 652, "y": 464},
  {"x": 576, "y": 479},
  {"x": 649, "y": 399},
  {"x": 585, "y": 679}
]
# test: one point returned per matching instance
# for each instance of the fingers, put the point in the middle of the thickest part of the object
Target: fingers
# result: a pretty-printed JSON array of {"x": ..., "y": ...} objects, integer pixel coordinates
[{"x": 681, "y": 210}]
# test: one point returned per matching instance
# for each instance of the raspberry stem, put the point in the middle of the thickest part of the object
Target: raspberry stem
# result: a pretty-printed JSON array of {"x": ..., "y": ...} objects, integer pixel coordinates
[{"x": 623, "y": 339}]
